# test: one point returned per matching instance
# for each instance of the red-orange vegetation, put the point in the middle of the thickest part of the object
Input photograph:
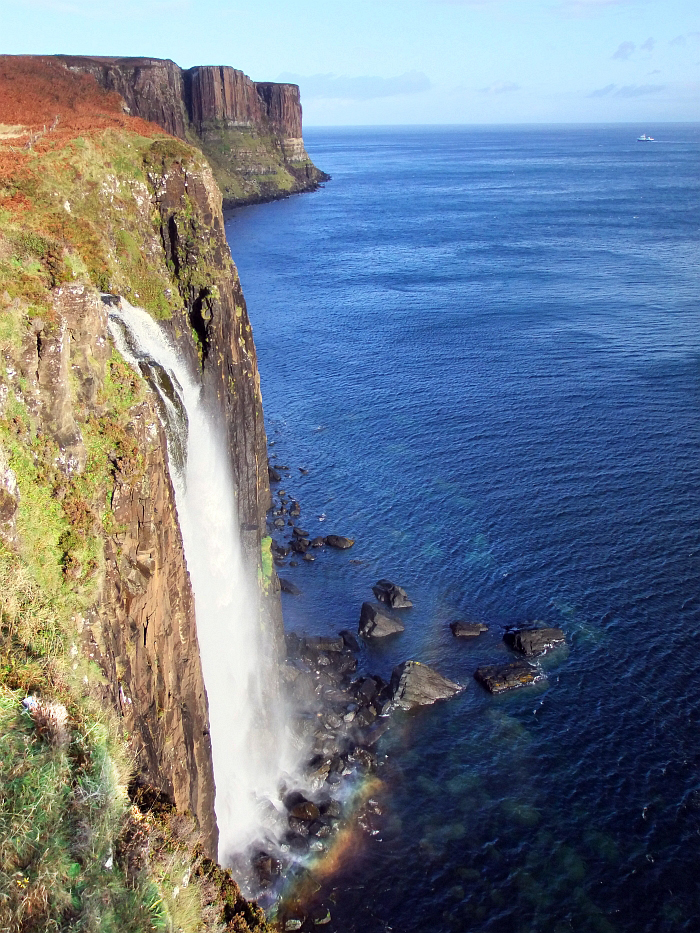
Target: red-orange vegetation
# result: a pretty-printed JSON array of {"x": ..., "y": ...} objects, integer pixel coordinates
[{"x": 35, "y": 90}]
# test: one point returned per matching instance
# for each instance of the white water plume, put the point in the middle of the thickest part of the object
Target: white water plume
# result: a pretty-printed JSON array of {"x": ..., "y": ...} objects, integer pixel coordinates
[{"x": 250, "y": 749}]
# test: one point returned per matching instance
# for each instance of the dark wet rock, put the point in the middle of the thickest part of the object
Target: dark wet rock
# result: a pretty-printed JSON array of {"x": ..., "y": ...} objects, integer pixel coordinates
[
  {"x": 299, "y": 827},
  {"x": 318, "y": 542},
  {"x": 323, "y": 643},
  {"x": 339, "y": 541},
  {"x": 278, "y": 523},
  {"x": 294, "y": 509},
  {"x": 349, "y": 640},
  {"x": 279, "y": 550},
  {"x": 364, "y": 759},
  {"x": 288, "y": 587},
  {"x": 415, "y": 684},
  {"x": 300, "y": 545},
  {"x": 309, "y": 558},
  {"x": 294, "y": 923},
  {"x": 274, "y": 475},
  {"x": 534, "y": 641},
  {"x": 300, "y": 533},
  {"x": 293, "y": 563},
  {"x": 497, "y": 678},
  {"x": 366, "y": 689},
  {"x": 320, "y": 916},
  {"x": 331, "y": 809},
  {"x": 376, "y": 622},
  {"x": 267, "y": 867},
  {"x": 467, "y": 629},
  {"x": 391, "y": 594},
  {"x": 376, "y": 731},
  {"x": 303, "y": 471},
  {"x": 320, "y": 829}
]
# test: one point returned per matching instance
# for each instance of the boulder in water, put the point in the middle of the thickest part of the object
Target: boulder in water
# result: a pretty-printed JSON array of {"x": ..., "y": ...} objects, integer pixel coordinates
[
  {"x": 467, "y": 629},
  {"x": 288, "y": 587},
  {"x": 349, "y": 640},
  {"x": 497, "y": 678},
  {"x": 300, "y": 533},
  {"x": 300, "y": 545},
  {"x": 339, "y": 541},
  {"x": 305, "y": 811},
  {"x": 534, "y": 641},
  {"x": 415, "y": 684},
  {"x": 391, "y": 594},
  {"x": 318, "y": 542},
  {"x": 375, "y": 622},
  {"x": 274, "y": 475}
]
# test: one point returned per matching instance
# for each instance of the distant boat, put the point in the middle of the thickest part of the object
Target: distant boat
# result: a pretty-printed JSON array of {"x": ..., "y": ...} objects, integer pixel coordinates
[{"x": 645, "y": 139}]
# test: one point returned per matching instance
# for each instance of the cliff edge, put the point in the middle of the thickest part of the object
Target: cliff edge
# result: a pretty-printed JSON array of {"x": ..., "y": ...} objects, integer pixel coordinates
[
  {"x": 250, "y": 131},
  {"x": 97, "y": 625}
]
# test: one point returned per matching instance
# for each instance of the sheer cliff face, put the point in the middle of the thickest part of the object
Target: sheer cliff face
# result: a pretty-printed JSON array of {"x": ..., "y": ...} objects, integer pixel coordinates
[
  {"x": 141, "y": 628},
  {"x": 250, "y": 132},
  {"x": 86, "y": 500}
]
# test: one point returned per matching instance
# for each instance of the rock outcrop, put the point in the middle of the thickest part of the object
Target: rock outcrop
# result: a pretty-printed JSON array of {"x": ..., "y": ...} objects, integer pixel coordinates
[
  {"x": 250, "y": 132},
  {"x": 415, "y": 684}
]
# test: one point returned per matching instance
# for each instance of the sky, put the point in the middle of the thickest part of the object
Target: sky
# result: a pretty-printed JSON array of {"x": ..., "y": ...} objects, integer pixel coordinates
[{"x": 365, "y": 62}]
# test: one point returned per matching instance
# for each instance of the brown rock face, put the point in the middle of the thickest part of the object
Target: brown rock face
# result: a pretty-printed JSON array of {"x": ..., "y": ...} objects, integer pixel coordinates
[
  {"x": 152, "y": 88},
  {"x": 146, "y": 632},
  {"x": 142, "y": 630},
  {"x": 282, "y": 106},
  {"x": 251, "y": 132},
  {"x": 222, "y": 93}
]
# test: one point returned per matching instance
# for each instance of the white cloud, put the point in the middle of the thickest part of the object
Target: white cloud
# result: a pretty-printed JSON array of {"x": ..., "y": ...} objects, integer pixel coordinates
[
  {"x": 639, "y": 90},
  {"x": 624, "y": 50},
  {"x": 500, "y": 87}
]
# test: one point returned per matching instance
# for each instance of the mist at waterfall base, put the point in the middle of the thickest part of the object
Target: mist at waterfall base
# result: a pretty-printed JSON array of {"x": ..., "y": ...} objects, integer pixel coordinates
[
  {"x": 251, "y": 746},
  {"x": 484, "y": 346}
]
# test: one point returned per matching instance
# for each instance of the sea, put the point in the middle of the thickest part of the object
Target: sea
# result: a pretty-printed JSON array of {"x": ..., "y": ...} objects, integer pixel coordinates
[{"x": 482, "y": 344}]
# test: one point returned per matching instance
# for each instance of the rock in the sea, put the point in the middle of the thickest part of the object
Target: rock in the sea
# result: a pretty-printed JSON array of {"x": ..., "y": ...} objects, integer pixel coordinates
[
  {"x": 349, "y": 640},
  {"x": 300, "y": 545},
  {"x": 415, "y": 684},
  {"x": 299, "y": 532},
  {"x": 467, "y": 629},
  {"x": 274, "y": 475},
  {"x": 534, "y": 641},
  {"x": 339, "y": 541},
  {"x": 288, "y": 587},
  {"x": 305, "y": 811},
  {"x": 391, "y": 594},
  {"x": 497, "y": 678},
  {"x": 279, "y": 550},
  {"x": 375, "y": 622},
  {"x": 318, "y": 542}
]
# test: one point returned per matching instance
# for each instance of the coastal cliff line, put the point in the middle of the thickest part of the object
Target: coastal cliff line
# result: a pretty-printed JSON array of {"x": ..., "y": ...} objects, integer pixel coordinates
[
  {"x": 250, "y": 131},
  {"x": 97, "y": 606}
]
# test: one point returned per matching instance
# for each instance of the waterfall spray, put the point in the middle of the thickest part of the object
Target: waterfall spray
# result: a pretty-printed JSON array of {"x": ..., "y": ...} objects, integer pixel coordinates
[{"x": 250, "y": 746}]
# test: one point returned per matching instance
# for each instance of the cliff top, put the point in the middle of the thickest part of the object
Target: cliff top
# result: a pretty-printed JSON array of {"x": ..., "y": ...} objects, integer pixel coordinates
[{"x": 35, "y": 90}]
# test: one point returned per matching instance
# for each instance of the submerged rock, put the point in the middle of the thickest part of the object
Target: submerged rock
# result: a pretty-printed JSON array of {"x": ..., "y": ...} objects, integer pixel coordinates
[
  {"x": 415, "y": 684},
  {"x": 534, "y": 641},
  {"x": 274, "y": 475},
  {"x": 288, "y": 587},
  {"x": 339, "y": 541},
  {"x": 497, "y": 678},
  {"x": 375, "y": 622},
  {"x": 467, "y": 629},
  {"x": 391, "y": 594}
]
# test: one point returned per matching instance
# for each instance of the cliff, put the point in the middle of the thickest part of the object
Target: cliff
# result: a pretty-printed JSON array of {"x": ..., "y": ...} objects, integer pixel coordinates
[
  {"x": 250, "y": 132},
  {"x": 96, "y": 202}
]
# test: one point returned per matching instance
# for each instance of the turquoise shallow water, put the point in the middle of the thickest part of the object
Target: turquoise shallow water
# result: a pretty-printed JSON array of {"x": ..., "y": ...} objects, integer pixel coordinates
[{"x": 483, "y": 344}]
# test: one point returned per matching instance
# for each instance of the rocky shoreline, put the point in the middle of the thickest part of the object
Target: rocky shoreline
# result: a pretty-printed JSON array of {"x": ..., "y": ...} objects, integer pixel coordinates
[{"x": 340, "y": 717}]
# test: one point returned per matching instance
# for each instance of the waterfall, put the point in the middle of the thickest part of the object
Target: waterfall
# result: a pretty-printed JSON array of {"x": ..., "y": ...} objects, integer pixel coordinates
[{"x": 250, "y": 749}]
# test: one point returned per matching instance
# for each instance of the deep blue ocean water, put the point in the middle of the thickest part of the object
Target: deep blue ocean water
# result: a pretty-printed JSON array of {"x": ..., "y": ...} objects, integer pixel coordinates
[{"x": 484, "y": 346}]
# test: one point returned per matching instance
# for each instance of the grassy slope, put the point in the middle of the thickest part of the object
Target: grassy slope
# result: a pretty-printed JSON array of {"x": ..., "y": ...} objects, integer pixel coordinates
[{"x": 74, "y": 852}]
